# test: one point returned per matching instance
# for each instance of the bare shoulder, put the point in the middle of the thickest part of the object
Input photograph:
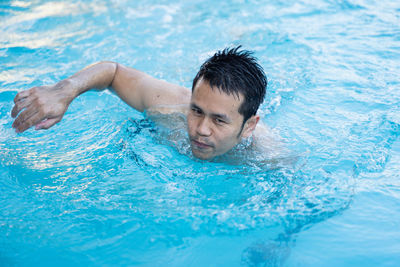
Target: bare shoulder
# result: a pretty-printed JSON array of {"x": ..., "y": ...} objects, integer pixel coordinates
[
  {"x": 168, "y": 109},
  {"x": 269, "y": 143},
  {"x": 160, "y": 93},
  {"x": 169, "y": 116},
  {"x": 268, "y": 139}
]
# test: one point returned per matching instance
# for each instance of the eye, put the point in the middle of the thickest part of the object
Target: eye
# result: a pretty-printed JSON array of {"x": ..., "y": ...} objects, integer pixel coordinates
[
  {"x": 219, "y": 121},
  {"x": 196, "y": 111}
]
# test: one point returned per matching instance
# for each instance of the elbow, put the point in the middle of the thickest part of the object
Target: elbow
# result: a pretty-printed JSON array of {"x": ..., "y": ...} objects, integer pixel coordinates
[
  {"x": 108, "y": 70},
  {"x": 115, "y": 73}
]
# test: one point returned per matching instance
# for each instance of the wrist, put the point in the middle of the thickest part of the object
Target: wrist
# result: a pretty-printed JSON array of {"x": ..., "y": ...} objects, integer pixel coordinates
[{"x": 68, "y": 90}]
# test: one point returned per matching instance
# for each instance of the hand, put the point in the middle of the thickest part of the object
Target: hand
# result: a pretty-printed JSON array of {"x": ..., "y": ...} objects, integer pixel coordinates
[{"x": 41, "y": 106}]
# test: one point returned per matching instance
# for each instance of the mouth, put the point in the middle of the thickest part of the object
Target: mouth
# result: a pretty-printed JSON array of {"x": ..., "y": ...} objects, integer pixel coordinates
[{"x": 200, "y": 146}]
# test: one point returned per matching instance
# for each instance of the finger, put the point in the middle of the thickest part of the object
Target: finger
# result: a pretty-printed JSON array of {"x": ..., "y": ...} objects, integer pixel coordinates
[
  {"x": 19, "y": 105},
  {"x": 24, "y": 118},
  {"x": 34, "y": 119},
  {"x": 46, "y": 124},
  {"x": 22, "y": 95}
]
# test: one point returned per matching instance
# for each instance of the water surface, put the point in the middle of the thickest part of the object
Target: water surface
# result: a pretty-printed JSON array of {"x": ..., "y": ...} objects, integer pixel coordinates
[{"x": 101, "y": 187}]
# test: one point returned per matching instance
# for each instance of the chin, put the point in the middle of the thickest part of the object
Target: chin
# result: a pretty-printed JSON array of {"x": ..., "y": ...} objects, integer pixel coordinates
[{"x": 200, "y": 155}]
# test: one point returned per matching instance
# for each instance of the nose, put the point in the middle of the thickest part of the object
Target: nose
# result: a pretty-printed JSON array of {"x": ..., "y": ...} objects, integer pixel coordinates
[{"x": 203, "y": 128}]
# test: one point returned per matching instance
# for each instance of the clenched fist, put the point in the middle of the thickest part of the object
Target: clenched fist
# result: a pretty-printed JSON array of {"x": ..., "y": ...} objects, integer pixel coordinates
[{"x": 41, "y": 106}]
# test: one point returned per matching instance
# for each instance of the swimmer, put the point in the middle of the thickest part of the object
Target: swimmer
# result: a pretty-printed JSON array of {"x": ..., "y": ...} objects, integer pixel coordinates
[{"x": 221, "y": 108}]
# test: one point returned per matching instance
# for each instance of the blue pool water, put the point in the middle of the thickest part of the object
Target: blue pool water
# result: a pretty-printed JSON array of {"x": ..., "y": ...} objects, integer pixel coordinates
[{"x": 104, "y": 188}]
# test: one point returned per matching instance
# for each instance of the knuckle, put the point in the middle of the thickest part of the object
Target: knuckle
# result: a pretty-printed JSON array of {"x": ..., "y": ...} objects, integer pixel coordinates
[
  {"x": 22, "y": 128},
  {"x": 29, "y": 123},
  {"x": 20, "y": 119},
  {"x": 17, "y": 125},
  {"x": 41, "y": 112},
  {"x": 16, "y": 107},
  {"x": 34, "y": 91},
  {"x": 39, "y": 101},
  {"x": 45, "y": 110},
  {"x": 14, "y": 111},
  {"x": 16, "y": 98}
]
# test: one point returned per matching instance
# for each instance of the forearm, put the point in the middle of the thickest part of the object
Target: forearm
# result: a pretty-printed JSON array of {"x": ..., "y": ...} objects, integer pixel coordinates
[
  {"x": 136, "y": 88},
  {"x": 45, "y": 105},
  {"x": 97, "y": 76}
]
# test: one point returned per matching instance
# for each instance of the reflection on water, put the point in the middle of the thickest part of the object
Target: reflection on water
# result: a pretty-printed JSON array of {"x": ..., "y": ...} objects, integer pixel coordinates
[{"x": 108, "y": 185}]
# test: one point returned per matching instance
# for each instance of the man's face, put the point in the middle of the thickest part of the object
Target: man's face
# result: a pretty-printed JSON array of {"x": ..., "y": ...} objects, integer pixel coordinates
[{"x": 214, "y": 122}]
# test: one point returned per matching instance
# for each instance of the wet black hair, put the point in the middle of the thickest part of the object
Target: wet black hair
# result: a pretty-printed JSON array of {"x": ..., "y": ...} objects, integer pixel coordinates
[{"x": 235, "y": 71}]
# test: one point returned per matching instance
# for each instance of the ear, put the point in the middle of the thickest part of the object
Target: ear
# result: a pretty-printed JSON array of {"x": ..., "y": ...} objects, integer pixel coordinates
[{"x": 249, "y": 126}]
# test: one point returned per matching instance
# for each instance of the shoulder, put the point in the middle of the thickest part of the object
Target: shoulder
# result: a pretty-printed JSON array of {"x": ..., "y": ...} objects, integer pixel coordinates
[
  {"x": 273, "y": 148},
  {"x": 267, "y": 138},
  {"x": 169, "y": 116},
  {"x": 168, "y": 109}
]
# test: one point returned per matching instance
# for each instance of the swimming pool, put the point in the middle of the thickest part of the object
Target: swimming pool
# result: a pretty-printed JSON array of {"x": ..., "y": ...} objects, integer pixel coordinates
[{"x": 102, "y": 187}]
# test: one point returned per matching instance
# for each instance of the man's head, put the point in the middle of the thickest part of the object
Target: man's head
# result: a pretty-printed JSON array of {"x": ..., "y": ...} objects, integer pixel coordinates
[{"x": 226, "y": 94}]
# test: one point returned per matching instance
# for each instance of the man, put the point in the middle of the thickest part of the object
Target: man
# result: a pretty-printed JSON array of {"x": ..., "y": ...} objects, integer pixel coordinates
[{"x": 221, "y": 110}]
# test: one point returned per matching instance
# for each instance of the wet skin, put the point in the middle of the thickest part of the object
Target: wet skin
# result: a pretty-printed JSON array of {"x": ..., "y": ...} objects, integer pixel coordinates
[{"x": 214, "y": 122}]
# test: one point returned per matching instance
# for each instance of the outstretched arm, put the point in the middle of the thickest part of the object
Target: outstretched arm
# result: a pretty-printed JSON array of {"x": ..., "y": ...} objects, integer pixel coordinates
[{"x": 44, "y": 106}]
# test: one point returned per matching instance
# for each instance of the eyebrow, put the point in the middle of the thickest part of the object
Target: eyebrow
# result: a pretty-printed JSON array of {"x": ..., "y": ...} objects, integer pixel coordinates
[{"x": 214, "y": 115}]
